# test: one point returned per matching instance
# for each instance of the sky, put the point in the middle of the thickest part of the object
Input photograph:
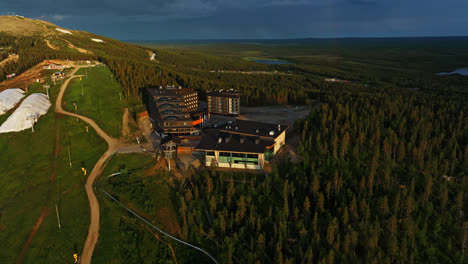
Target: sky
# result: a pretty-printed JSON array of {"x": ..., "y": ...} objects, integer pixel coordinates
[{"x": 249, "y": 19}]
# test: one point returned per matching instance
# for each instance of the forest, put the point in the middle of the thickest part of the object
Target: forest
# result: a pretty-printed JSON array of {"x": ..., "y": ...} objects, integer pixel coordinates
[
  {"x": 383, "y": 180},
  {"x": 384, "y": 165},
  {"x": 403, "y": 63}
]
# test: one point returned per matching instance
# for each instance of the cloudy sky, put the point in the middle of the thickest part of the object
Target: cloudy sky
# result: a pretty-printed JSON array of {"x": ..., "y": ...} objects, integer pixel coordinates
[{"x": 243, "y": 19}]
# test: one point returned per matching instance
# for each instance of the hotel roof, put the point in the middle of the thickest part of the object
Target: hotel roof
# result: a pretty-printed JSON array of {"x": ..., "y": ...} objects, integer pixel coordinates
[
  {"x": 253, "y": 128},
  {"x": 168, "y": 91},
  {"x": 221, "y": 93},
  {"x": 222, "y": 141}
]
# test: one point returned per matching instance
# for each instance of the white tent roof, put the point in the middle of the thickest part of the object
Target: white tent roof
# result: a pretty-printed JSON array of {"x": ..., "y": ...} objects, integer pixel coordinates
[
  {"x": 27, "y": 113},
  {"x": 9, "y": 98}
]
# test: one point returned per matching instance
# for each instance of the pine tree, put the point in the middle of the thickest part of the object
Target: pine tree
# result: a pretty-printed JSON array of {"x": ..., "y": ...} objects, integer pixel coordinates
[{"x": 307, "y": 205}]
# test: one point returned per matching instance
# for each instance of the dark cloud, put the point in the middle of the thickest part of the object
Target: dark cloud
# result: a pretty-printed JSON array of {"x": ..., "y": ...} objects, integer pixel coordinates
[{"x": 194, "y": 19}]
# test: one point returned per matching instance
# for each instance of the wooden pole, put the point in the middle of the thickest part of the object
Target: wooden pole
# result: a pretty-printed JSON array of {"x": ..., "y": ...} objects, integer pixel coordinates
[{"x": 58, "y": 217}]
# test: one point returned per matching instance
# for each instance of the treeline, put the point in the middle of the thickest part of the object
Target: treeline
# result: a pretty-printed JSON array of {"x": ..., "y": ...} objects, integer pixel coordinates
[
  {"x": 189, "y": 60},
  {"x": 383, "y": 180},
  {"x": 257, "y": 89},
  {"x": 291, "y": 84},
  {"x": 134, "y": 71}
]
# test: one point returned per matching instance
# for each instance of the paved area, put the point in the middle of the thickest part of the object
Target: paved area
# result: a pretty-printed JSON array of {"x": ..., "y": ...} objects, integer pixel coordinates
[
  {"x": 285, "y": 115},
  {"x": 275, "y": 114}
]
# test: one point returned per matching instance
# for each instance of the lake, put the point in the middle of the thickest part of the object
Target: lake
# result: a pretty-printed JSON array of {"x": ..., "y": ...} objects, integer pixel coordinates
[
  {"x": 268, "y": 61},
  {"x": 272, "y": 61},
  {"x": 461, "y": 71}
]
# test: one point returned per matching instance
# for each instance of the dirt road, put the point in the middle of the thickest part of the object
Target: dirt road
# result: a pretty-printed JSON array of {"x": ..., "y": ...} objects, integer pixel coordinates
[
  {"x": 8, "y": 59},
  {"x": 114, "y": 146},
  {"x": 50, "y": 45},
  {"x": 70, "y": 45}
]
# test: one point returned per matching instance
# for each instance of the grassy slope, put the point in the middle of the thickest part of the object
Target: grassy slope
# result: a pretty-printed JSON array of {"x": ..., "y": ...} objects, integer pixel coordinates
[
  {"x": 25, "y": 27},
  {"x": 51, "y": 244},
  {"x": 107, "y": 249},
  {"x": 123, "y": 239},
  {"x": 27, "y": 161},
  {"x": 101, "y": 100}
]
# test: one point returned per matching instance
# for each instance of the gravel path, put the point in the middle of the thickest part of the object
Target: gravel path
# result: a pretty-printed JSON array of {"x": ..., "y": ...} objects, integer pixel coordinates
[{"x": 114, "y": 146}]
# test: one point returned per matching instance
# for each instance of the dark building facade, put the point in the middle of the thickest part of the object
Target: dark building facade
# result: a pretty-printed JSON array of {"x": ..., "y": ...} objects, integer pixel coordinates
[
  {"x": 169, "y": 109},
  {"x": 223, "y": 102}
]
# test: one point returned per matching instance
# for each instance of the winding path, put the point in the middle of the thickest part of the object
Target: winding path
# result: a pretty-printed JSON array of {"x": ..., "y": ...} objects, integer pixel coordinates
[{"x": 113, "y": 146}]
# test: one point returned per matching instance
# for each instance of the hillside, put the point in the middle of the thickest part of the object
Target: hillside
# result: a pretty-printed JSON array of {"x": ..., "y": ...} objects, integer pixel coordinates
[
  {"x": 133, "y": 69},
  {"x": 35, "y": 41},
  {"x": 20, "y": 26}
]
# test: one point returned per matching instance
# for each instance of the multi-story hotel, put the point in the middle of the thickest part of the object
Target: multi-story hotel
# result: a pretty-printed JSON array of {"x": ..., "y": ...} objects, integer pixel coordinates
[
  {"x": 169, "y": 109},
  {"x": 223, "y": 102}
]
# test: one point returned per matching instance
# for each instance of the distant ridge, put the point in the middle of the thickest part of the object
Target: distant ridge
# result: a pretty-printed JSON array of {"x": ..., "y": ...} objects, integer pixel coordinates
[{"x": 292, "y": 40}]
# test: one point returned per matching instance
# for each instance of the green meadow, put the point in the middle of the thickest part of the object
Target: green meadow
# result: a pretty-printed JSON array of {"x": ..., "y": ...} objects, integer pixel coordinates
[
  {"x": 123, "y": 238},
  {"x": 97, "y": 96},
  {"x": 36, "y": 177}
]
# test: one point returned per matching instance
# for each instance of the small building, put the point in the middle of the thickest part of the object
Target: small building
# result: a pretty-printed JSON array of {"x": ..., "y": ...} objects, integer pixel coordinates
[
  {"x": 58, "y": 75},
  {"x": 242, "y": 144},
  {"x": 223, "y": 102},
  {"x": 53, "y": 66}
]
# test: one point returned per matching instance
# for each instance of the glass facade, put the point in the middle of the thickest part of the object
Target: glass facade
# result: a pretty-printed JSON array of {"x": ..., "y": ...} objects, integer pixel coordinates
[{"x": 238, "y": 158}]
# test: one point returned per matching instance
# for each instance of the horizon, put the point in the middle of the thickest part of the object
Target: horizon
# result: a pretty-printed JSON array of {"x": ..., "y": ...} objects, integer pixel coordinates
[
  {"x": 266, "y": 19},
  {"x": 285, "y": 39}
]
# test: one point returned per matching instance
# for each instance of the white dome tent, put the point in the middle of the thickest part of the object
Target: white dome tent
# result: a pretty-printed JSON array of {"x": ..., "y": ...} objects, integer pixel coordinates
[
  {"x": 27, "y": 114},
  {"x": 9, "y": 98}
]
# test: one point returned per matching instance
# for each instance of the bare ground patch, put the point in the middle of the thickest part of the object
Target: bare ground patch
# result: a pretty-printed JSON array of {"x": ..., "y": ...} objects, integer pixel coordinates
[
  {"x": 168, "y": 219},
  {"x": 33, "y": 233},
  {"x": 25, "y": 79},
  {"x": 70, "y": 45},
  {"x": 8, "y": 59},
  {"x": 50, "y": 45}
]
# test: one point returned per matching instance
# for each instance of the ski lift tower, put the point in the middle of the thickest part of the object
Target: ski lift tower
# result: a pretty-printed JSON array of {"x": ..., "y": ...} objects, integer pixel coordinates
[
  {"x": 47, "y": 87},
  {"x": 76, "y": 111},
  {"x": 33, "y": 118},
  {"x": 169, "y": 149}
]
